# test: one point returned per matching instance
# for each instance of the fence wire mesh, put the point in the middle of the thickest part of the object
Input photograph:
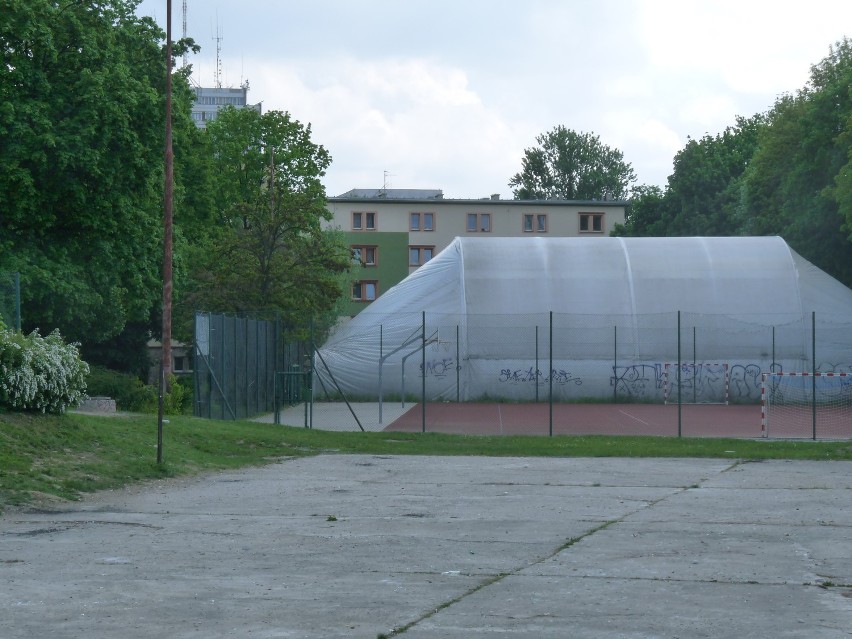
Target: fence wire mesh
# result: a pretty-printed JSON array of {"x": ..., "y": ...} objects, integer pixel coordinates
[
  {"x": 586, "y": 357},
  {"x": 661, "y": 358},
  {"x": 236, "y": 359},
  {"x": 375, "y": 369}
]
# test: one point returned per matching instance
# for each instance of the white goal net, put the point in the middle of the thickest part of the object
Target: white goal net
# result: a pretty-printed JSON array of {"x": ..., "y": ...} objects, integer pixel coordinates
[{"x": 804, "y": 405}]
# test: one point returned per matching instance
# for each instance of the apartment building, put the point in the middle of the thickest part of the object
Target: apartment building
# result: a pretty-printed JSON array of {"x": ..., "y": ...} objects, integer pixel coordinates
[{"x": 392, "y": 232}]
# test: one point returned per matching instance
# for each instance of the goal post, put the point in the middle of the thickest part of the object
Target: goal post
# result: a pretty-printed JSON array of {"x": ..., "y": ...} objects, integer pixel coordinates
[
  {"x": 807, "y": 405},
  {"x": 700, "y": 383}
]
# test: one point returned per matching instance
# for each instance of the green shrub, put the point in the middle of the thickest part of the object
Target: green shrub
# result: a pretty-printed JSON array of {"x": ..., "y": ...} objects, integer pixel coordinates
[
  {"x": 40, "y": 374},
  {"x": 173, "y": 401},
  {"x": 128, "y": 391},
  {"x": 179, "y": 400},
  {"x": 131, "y": 394}
]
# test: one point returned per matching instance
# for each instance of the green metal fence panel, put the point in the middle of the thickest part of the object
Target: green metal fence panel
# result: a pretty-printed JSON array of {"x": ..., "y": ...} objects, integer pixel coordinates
[{"x": 236, "y": 359}]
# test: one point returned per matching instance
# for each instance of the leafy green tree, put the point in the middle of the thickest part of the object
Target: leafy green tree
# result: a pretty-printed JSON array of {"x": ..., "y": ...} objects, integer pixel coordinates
[
  {"x": 646, "y": 213},
  {"x": 270, "y": 255},
  {"x": 81, "y": 147},
  {"x": 795, "y": 185},
  {"x": 704, "y": 190},
  {"x": 569, "y": 165},
  {"x": 843, "y": 194}
]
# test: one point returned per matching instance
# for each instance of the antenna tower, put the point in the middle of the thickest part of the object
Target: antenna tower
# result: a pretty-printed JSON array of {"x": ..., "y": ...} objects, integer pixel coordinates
[
  {"x": 218, "y": 73},
  {"x": 184, "y": 32}
]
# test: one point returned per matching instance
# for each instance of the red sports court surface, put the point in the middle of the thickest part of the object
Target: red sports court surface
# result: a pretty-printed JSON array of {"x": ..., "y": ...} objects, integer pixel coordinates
[{"x": 705, "y": 420}]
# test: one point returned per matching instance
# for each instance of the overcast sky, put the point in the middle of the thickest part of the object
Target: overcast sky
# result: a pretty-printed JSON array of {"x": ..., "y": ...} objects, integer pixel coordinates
[{"x": 447, "y": 94}]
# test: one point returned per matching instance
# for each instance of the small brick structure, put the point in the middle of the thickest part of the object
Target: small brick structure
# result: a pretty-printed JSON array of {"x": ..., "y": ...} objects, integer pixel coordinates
[{"x": 97, "y": 405}]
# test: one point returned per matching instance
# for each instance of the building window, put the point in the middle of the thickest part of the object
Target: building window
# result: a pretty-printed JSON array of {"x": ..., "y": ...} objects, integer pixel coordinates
[
  {"x": 479, "y": 222},
  {"x": 364, "y": 290},
  {"x": 591, "y": 222},
  {"x": 535, "y": 223},
  {"x": 422, "y": 222},
  {"x": 419, "y": 255},
  {"x": 180, "y": 364},
  {"x": 363, "y": 221},
  {"x": 365, "y": 255}
]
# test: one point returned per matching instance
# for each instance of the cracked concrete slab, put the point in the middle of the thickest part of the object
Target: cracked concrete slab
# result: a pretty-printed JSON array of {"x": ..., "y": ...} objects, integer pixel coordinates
[{"x": 423, "y": 547}]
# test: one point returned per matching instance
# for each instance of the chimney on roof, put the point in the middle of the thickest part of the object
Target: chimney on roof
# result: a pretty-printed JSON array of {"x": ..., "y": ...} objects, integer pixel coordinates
[{"x": 495, "y": 196}]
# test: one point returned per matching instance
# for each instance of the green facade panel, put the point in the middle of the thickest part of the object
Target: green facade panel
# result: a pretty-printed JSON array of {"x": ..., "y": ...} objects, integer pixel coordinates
[{"x": 391, "y": 263}]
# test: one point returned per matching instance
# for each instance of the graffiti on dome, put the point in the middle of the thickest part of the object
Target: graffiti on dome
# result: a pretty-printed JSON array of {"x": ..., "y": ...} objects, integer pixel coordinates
[
  {"x": 702, "y": 382},
  {"x": 439, "y": 367},
  {"x": 650, "y": 382},
  {"x": 745, "y": 381},
  {"x": 638, "y": 381},
  {"x": 831, "y": 367},
  {"x": 533, "y": 375}
]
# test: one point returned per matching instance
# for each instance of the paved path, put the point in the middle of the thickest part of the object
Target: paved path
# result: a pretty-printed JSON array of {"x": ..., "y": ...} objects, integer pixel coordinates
[{"x": 357, "y": 546}]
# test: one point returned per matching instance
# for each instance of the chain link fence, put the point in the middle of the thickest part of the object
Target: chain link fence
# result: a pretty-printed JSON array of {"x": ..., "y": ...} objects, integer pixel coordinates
[
  {"x": 237, "y": 366},
  {"x": 245, "y": 367},
  {"x": 573, "y": 358}
]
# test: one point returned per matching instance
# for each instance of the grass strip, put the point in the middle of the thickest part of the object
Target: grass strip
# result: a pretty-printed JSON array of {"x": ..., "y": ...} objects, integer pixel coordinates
[{"x": 49, "y": 457}]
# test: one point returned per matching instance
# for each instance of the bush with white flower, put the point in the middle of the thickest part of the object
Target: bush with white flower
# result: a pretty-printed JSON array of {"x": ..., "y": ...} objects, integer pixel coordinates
[{"x": 40, "y": 374}]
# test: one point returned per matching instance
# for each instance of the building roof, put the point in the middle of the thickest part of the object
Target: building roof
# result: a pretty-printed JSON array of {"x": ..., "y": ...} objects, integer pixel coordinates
[
  {"x": 393, "y": 194},
  {"x": 419, "y": 196}
]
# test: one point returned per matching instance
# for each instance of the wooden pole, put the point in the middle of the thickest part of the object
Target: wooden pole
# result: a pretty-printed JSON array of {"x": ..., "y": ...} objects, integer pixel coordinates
[
  {"x": 168, "y": 196},
  {"x": 168, "y": 207}
]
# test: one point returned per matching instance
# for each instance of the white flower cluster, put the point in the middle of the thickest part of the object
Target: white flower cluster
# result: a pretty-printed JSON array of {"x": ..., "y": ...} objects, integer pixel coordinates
[{"x": 42, "y": 374}]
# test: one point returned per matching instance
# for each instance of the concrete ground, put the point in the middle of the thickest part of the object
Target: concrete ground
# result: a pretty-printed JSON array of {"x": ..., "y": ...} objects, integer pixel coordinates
[{"x": 437, "y": 547}]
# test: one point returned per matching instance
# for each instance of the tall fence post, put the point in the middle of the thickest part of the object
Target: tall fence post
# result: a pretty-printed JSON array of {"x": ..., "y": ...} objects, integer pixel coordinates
[
  {"x": 772, "y": 366},
  {"x": 160, "y": 411},
  {"x": 212, "y": 360},
  {"x": 423, "y": 374},
  {"x": 537, "y": 367},
  {"x": 814, "y": 373},
  {"x": 458, "y": 366},
  {"x": 679, "y": 404},
  {"x": 615, "y": 364},
  {"x": 550, "y": 377},
  {"x": 381, "y": 365},
  {"x": 312, "y": 348},
  {"x": 694, "y": 369}
]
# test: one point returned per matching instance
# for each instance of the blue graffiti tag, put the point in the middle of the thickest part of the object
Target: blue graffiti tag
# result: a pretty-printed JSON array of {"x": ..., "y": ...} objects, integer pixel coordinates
[{"x": 533, "y": 375}]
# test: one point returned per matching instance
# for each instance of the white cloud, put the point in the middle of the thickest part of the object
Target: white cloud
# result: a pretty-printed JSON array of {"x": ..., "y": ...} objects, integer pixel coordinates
[
  {"x": 417, "y": 119},
  {"x": 753, "y": 47},
  {"x": 447, "y": 94}
]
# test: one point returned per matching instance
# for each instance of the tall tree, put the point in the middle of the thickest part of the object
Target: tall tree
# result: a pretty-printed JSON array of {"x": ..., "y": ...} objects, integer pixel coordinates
[
  {"x": 81, "y": 140},
  {"x": 569, "y": 165},
  {"x": 703, "y": 194},
  {"x": 647, "y": 213},
  {"x": 794, "y": 185},
  {"x": 271, "y": 254}
]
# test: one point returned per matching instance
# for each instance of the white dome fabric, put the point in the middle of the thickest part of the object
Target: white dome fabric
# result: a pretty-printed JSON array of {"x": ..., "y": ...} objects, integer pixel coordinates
[{"x": 613, "y": 305}]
